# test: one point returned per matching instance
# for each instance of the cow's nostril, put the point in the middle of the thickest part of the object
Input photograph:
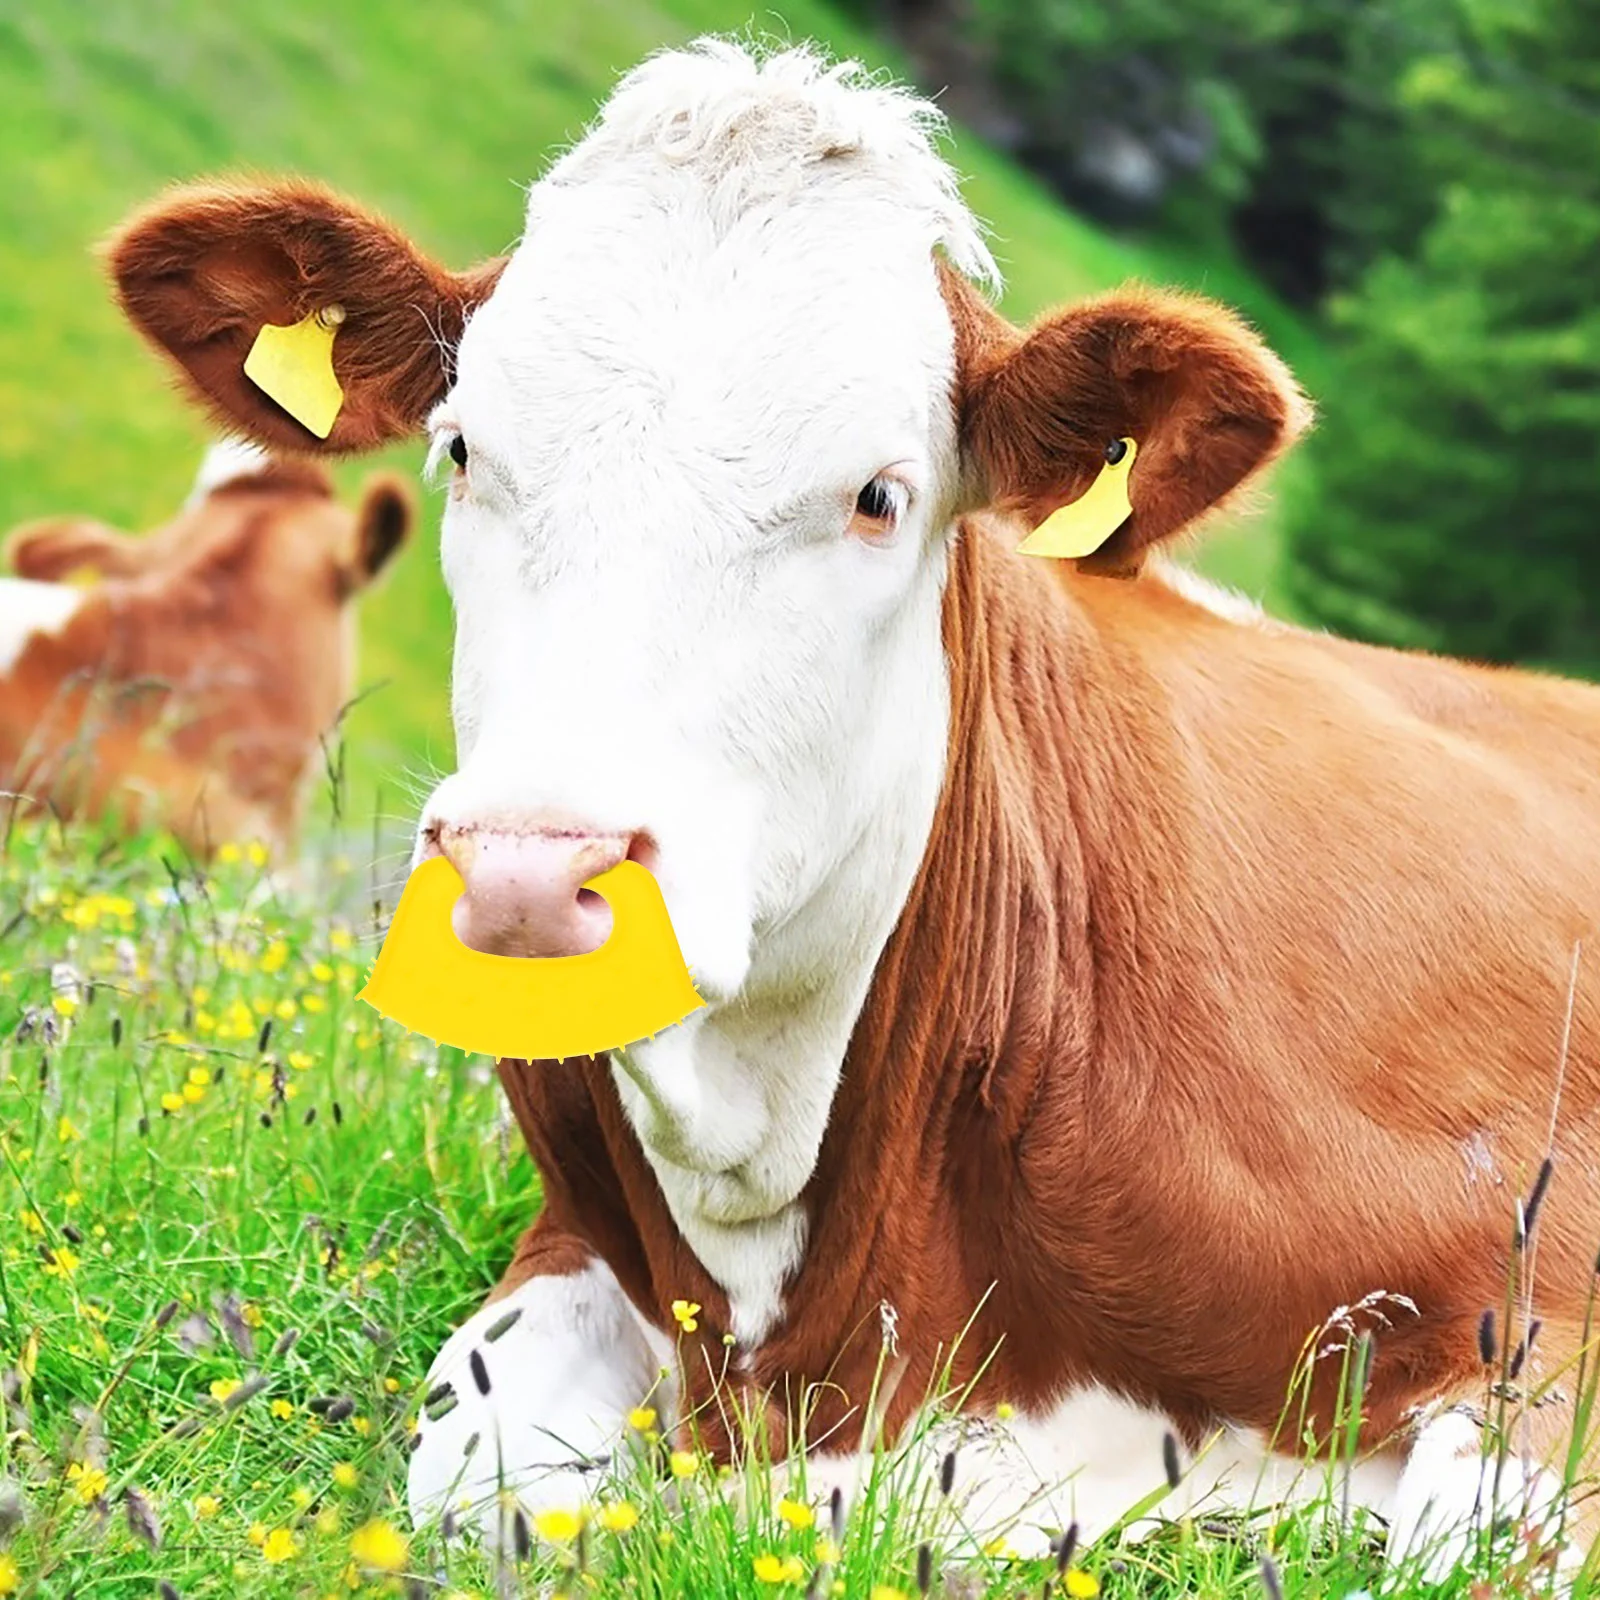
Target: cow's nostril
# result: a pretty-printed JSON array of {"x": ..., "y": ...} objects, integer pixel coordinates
[{"x": 590, "y": 900}]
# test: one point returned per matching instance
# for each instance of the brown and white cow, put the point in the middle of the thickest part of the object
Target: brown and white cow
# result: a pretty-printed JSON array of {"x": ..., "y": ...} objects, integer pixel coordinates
[
  {"x": 187, "y": 677},
  {"x": 1104, "y": 988}
]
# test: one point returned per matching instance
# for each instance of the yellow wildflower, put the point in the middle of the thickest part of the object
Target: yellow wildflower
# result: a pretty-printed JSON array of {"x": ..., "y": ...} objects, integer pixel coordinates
[
  {"x": 251, "y": 1312},
  {"x": 686, "y": 1312},
  {"x": 1005, "y": 1411},
  {"x": 376, "y": 1544},
  {"x": 618, "y": 1517},
  {"x": 327, "y": 1521},
  {"x": 557, "y": 1526},
  {"x": 312, "y": 1003},
  {"x": 1081, "y": 1585},
  {"x": 199, "y": 1076},
  {"x": 339, "y": 938},
  {"x": 221, "y": 1388},
  {"x": 172, "y": 1103},
  {"x": 827, "y": 1552},
  {"x": 285, "y": 1010},
  {"x": 302, "y": 1060},
  {"x": 71, "y": 1198},
  {"x": 229, "y": 854},
  {"x": 257, "y": 1534},
  {"x": 362, "y": 1425},
  {"x": 34, "y": 1223},
  {"x": 300, "y": 1495},
  {"x": 279, "y": 1545},
  {"x": 63, "y": 1262},
  {"x": 345, "y": 1475},
  {"x": 193, "y": 1093},
  {"x": 10, "y": 1576},
  {"x": 67, "y": 1131},
  {"x": 64, "y": 1004},
  {"x": 641, "y": 1419},
  {"x": 274, "y": 957},
  {"x": 1000, "y": 1550},
  {"x": 204, "y": 1022},
  {"x": 206, "y": 1506},
  {"x": 200, "y": 994},
  {"x": 796, "y": 1513},
  {"x": 282, "y": 1410},
  {"x": 88, "y": 1482},
  {"x": 391, "y": 1386},
  {"x": 683, "y": 1464},
  {"x": 776, "y": 1569},
  {"x": 257, "y": 853},
  {"x": 322, "y": 972}
]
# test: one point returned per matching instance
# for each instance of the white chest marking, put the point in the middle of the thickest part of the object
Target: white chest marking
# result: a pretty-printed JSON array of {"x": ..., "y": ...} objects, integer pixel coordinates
[{"x": 27, "y": 608}]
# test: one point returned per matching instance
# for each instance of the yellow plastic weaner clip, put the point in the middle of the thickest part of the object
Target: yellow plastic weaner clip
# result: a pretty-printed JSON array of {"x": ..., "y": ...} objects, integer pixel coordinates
[{"x": 632, "y": 987}]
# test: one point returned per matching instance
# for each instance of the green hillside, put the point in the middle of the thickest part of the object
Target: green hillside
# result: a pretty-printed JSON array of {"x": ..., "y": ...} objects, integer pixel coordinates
[{"x": 436, "y": 116}]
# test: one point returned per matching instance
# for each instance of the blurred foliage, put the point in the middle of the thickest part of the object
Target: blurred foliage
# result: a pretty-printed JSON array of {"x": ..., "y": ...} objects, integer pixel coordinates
[
  {"x": 1426, "y": 173},
  {"x": 1455, "y": 498}
]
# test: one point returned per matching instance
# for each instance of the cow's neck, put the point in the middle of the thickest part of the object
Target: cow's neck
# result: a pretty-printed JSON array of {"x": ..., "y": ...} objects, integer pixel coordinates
[
  {"x": 982, "y": 1005},
  {"x": 732, "y": 1107}
]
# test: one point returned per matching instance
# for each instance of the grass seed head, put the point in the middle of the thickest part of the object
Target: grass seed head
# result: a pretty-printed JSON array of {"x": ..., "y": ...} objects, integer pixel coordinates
[
  {"x": 1169, "y": 1459},
  {"x": 1488, "y": 1346},
  {"x": 142, "y": 1520},
  {"x": 1067, "y": 1548},
  {"x": 1269, "y": 1579}
]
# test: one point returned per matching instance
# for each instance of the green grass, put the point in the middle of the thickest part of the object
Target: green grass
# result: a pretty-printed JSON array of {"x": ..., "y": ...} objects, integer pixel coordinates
[
  {"x": 184, "y": 1186},
  {"x": 435, "y": 116}
]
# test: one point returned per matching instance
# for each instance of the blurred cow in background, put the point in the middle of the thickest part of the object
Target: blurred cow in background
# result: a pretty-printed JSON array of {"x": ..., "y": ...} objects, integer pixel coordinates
[{"x": 185, "y": 678}]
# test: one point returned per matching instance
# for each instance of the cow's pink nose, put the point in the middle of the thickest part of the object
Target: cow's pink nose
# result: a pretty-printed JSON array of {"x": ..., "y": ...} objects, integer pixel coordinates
[{"x": 524, "y": 891}]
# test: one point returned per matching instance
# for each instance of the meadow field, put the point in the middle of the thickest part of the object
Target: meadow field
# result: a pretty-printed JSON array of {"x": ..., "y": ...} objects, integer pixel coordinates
[{"x": 243, "y": 1211}]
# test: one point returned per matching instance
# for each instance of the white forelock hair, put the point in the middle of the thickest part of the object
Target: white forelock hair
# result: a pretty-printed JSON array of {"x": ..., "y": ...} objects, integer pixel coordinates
[{"x": 762, "y": 125}]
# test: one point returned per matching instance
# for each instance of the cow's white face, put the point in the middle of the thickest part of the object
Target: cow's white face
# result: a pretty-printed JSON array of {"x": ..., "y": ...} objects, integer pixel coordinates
[{"x": 697, "y": 548}]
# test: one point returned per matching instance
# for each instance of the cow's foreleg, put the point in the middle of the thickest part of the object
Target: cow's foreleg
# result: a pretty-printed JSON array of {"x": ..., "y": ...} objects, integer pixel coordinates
[
  {"x": 531, "y": 1394},
  {"x": 1457, "y": 1484}
]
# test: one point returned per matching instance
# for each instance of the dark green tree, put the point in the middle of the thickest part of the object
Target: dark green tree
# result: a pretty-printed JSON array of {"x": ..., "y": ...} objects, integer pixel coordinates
[{"x": 1455, "y": 501}]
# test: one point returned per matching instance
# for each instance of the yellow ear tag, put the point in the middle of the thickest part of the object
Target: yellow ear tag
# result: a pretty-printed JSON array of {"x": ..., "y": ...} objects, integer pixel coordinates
[
  {"x": 294, "y": 366},
  {"x": 633, "y": 986},
  {"x": 1083, "y": 525}
]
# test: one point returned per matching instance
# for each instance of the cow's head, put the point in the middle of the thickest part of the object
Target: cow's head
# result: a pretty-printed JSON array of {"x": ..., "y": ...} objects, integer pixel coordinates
[{"x": 708, "y": 430}]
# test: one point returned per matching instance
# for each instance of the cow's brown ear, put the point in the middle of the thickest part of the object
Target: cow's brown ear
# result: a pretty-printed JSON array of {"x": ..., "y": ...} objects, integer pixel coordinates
[
  {"x": 1206, "y": 403},
  {"x": 205, "y": 267},
  {"x": 58, "y": 549},
  {"x": 383, "y": 523}
]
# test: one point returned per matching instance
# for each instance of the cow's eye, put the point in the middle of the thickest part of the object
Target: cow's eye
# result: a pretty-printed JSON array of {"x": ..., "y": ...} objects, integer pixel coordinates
[
  {"x": 879, "y": 508},
  {"x": 878, "y": 501},
  {"x": 458, "y": 451}
]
